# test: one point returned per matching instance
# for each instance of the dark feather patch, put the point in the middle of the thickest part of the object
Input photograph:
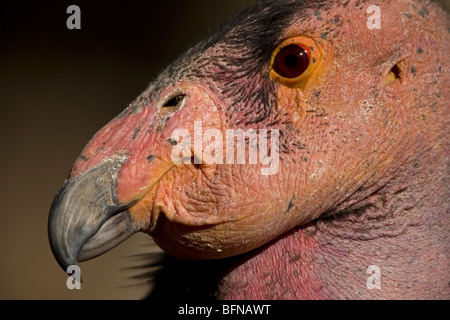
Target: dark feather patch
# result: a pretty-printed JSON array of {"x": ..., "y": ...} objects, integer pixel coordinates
[{"x": 176, "y": 280}]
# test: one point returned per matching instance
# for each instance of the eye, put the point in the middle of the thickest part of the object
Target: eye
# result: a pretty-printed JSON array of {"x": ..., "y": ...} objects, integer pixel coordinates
[
  {"x": 297, "y": 61},
  {"x": 291, "y": 61}
]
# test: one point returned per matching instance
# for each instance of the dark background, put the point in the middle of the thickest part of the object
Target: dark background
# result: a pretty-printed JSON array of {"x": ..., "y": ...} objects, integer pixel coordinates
[{"x": 58, "y": 87}]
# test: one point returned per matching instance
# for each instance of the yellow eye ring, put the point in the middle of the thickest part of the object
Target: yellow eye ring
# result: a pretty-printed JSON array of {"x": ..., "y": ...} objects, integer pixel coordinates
[{"x": 294, "y": 61}]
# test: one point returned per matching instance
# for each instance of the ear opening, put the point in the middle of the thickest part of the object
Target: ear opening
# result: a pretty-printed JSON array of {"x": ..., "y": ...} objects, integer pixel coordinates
[{"x": 394, "y": 74}]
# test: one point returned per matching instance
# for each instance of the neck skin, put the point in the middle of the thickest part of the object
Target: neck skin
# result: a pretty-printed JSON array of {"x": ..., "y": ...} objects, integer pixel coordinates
[{"x": 402, "y": 228}]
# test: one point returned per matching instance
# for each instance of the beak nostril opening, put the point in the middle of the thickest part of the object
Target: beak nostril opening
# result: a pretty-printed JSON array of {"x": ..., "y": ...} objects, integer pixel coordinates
[{"x": 174, "y": 103}]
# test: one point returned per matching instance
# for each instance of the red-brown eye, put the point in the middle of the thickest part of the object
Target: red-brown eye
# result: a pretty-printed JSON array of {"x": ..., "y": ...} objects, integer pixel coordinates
[{"x": 291, "y": 62}]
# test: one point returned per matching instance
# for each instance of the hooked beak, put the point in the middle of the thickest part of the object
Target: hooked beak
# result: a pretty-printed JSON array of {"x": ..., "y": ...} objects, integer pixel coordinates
[
  {"x": 110, "y": 193},
  {"x": 86, "y": 219}
]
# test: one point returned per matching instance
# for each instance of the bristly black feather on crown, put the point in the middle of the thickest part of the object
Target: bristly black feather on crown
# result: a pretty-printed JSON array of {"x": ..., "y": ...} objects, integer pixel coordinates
[{"x": 240, "y": 68}]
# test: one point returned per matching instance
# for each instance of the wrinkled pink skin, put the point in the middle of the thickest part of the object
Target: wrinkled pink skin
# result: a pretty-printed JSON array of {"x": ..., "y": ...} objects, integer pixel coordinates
[
  {"x": 376, "y": 164},
  {"x": 404, "y": 225}
]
